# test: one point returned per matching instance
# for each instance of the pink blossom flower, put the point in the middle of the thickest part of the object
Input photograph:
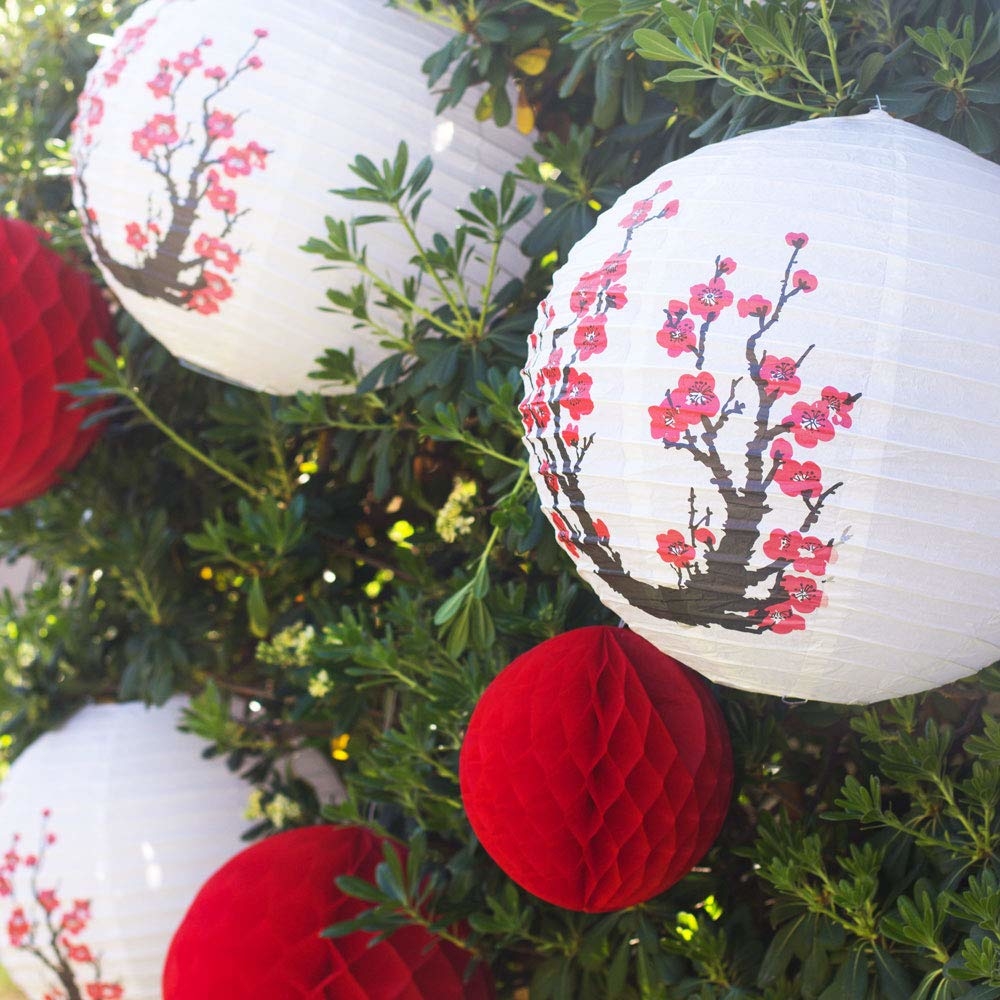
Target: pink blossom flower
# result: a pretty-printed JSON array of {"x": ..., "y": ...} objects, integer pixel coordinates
[
  {"x": 160, "y": 84},
  {"x": 813, "y": 556},
  {"x": 236, "y": 162},
  {"x": 673, "y": 548},
  {"x": 48, "y": 900},
  {"x": 709, "y": 300},
  {"x": 582, "y": 298},
  {"x": 796, "y": 479},
  {"x": 780, "y": 374},
  {"x": 781, "y": 450},
  {"x": 781, "y": 619},
  {"x": 77, "y": 952},
  {"x": 73, "y": 923},
  {"x": 220, "y": 198},
  {"x": 805, "y": 281},
  {"x": 18, "y": 927},
  {"x": 539, "y": 410},
  {"x": 571, "y": 435},
  {"x": 756, "y": 305},
  {"x": 705, "y": 536},
  {"x": 94, "y": 110},
  {"x": 549, "y": 312},
  {"x": 575, "y": 396},
  {"x": 113, "y": 72},
  {"x": 256, "y": 154},
  {"x": 162, "y": 130},
  {"x": 5, "y": 887},
  {"x": 669, "y": 210},
  {"x": 255, "y": 62},
  {"x": 260, "y": 32},
  {"x": 187, "y": 61},
  {"x": 548, "y": 474},
  {"x": 803, "y": 594},
  {"x": 590, "y": 337},
  {"x": 726, "y": 266},
  {"x": 782, "y": 545},
  {"x": 142, "y": 143},
  {"x": 203, "y": 301},
  {"x": 215, "y": 73},
  {"x": 563, "y": 535},
  {"x": 640, "y": 212},
  {"x": 677, "y": 339},
  {"x": 696, "y": 394},
  {"x": 666, "y": 421},
  {"x": 810, "y": 423},
  {"x": 552, "y": 370},
  {"x": 217, "y": 285},
  {"x": 602, "y": 532},
  {"x": 615, "y": 297},
  {"x": 840, "y": 405},
  {"x": 664, "y": 186},
  {"x": 797, "y": 240},
  {"x": 219, "y": 125},
  {"x": 615, "y": 266},
  {"x": 225, "y": 257},
  {"x": 205, "y": 244},
  {"x": 134, "y": 236},
  {"x": 104, "y": 991}
]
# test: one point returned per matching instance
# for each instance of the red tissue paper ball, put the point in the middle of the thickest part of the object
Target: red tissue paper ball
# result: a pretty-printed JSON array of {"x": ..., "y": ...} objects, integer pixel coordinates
[
  {"x": 596, "y": 771},
  {"x": 252, "y": 932},
  {"x": 50, "y": 315}
]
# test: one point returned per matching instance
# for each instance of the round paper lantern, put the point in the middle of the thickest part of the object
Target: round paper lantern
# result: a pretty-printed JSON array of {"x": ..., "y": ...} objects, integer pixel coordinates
[
  {"x": 596, "y": 771},
  {"x": 208, "y": 138},
  {"x": 139, "y": 820},
  {"x": 253, "y": 931},
  {"x": 51, "y": 314},
  {"x": 763, "y": 409}
]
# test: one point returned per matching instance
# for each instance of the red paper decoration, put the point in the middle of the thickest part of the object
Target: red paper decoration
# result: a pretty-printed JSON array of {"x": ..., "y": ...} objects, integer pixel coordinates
[
  {"x": 253, "y": 931},
  {"x": 50, "y": 315},
  {"x": 596, "y": 770}
]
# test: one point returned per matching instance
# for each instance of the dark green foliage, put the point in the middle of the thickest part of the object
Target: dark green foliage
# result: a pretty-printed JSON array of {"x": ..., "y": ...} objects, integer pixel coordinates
[{"x": 362, "y": 564}]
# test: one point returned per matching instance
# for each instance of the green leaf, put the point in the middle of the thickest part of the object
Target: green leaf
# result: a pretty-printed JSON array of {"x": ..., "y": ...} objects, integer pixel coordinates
[
  {"x": 654, "y": 45},
  {"x": 260, "y": 619}
]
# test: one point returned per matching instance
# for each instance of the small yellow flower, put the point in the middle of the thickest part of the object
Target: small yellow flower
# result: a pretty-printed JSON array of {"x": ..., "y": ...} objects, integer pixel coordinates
[
  {"x": 451, "y": 518},
  {"x": 320, "y": 685},
  {"x": 206, "y": 573},
  {"x": 281, "y": 809},
  {"x": 338, "y": 746},
  {"x": 254, "y": 809}
]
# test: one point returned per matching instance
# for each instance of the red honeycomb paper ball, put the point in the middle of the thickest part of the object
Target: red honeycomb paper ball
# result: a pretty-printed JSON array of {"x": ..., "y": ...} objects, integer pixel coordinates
[
  {"x": 252, "y": 932},
  {"x": 596, "y": 770},
  {"x": 50, "y": 315}
]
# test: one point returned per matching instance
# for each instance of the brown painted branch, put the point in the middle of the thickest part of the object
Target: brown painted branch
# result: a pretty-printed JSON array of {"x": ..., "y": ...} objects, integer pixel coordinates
[{"x": 815, "y": 508}]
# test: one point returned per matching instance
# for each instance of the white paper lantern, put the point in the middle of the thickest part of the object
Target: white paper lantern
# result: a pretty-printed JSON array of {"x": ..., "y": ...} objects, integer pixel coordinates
[
  {"x": 208, "y": 137},
  {"x": 763, "y": 409},
  {"x": 140, "y": 820}
]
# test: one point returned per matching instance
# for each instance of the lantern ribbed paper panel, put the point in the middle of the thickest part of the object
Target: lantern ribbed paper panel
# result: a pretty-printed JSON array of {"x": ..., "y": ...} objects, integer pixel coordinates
[
  {"x": 253, "y": 931},
  {"x": 596, "y": 771},
  {"x": 208, "y": 137},
  {"x": 50, "y": 315},
  {"x": 763, "y": 409},
  {"x": 139, "y": 818}
]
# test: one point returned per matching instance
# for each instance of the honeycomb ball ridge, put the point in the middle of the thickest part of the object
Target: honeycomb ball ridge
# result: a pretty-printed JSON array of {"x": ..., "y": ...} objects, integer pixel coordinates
[
  {"x": 51, "y": 314},
  {"x": 253, "y": 931},
  {"x": 596, "y": 770}
]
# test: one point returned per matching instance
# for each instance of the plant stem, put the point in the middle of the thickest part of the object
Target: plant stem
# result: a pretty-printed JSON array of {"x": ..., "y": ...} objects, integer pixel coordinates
[
  {"x": 831, "y": 44},
  {"x": 556, "y": 10},
  {"x": 185, "y": 445}
]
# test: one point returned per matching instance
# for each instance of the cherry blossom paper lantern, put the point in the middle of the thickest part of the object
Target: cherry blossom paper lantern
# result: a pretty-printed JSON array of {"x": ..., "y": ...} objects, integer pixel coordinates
[
  {"x": 763, "y": 409},
  {"x": 254, "y": 931},
  {"x": 118, "y": 819},
  {"x": 209, "y": 135},
  {"x": 596, "y": 771},
  {"x": 51, "y": 314}
]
